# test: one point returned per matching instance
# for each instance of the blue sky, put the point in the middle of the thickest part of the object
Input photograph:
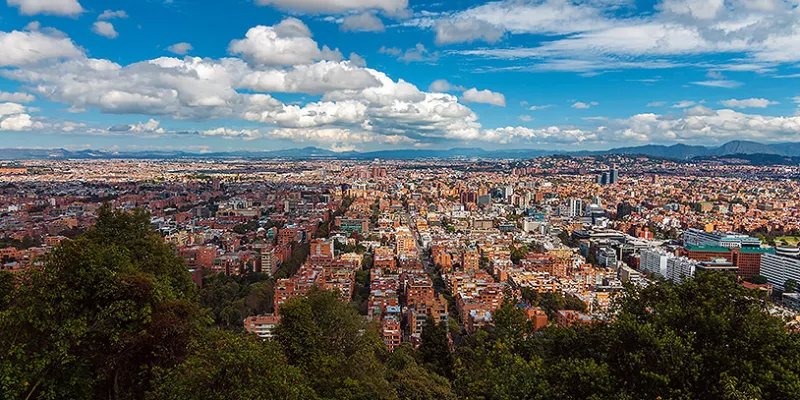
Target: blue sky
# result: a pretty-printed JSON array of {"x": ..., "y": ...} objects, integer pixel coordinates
[{"x": 373, "y": 74}]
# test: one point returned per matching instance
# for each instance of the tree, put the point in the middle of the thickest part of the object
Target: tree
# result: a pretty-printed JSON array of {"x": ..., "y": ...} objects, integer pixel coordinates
[
  {"x": 434, "y": 351},
  {"x": 104, "y": 312},
  {"x": 758, "y": 279},
  {"x": 790, "y": 286},
  {"x": 333, "y": 347},
  {"x": 224, "y": 365},
  {"x": 412, "y": 381}
]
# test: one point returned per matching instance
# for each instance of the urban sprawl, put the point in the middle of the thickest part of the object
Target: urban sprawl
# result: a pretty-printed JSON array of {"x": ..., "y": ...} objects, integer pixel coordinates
[{"x": 408, "y": 242}]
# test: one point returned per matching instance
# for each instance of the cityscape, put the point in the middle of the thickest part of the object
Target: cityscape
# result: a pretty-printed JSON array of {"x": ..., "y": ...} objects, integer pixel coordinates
[
  {"x": 399, "y": 200},
  {"x": 415, "y": 244}
]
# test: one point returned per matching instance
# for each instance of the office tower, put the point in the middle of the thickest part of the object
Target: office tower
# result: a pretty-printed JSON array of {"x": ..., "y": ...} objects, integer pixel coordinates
[{"x": 575, "y": 207}]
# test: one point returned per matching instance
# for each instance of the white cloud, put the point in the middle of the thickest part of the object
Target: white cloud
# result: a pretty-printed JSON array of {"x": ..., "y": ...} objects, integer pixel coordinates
[
  {"x": 484, "y": 96},
  {"x": 525, "y": 118},
  {"x": 13, "y": 117},
  {"x": 287, "y": 43},
  {"x": 657, "y": 104},
  {"x": 17, "y": 97},
  {"x": 109, "y": 14},
  {"x": 11, "y": 108},
  {"x": 104, "y": 28},
  {"x": 684, "y": 104},
  {"x": 466, "y": 30},
  {"x": 582, "y": 105},
  {"x": 723, "y": 83},
  {"x": 366, "y": 22},
  {"x": 246, "y": 134},
  {"x": 442, "y": 86},
  {"x": 19, "y": 122},
  {"x": 748, "y": 103},
  {"x": 593, "y": 32},
  {"x": 336, "y": 6},
  {"x": 180, "y": 48},
  {"x": 418, "y": 53},
  {"x": 317, "y": 78},
  {"x": 357, "y": 60},
  {"x": 547, "y": 135},
  {"x": 19, "y": 48},
  {"x": 48, "y": 7},
  {"x": 540, "y": 107}
]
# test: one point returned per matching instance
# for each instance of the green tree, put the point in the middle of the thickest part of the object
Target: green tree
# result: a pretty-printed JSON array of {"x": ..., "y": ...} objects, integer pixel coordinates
[
  {"x": 104, "y": 312},
  {"x": 790, "y": 286},
  {"x": 225, "y": 365},
  {"x": 332, "y": 345},
  {"x": 412, "y": 381},
  {"x": 434, "y": 351},
  {"x": 758, "y": 279}
]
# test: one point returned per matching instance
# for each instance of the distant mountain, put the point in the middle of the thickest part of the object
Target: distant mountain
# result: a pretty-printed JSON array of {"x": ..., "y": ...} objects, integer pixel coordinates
[{"x": 676, "y": 151}]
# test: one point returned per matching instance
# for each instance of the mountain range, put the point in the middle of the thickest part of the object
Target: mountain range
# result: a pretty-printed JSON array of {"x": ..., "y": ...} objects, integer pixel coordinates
[{"x": 677, "y": 151}]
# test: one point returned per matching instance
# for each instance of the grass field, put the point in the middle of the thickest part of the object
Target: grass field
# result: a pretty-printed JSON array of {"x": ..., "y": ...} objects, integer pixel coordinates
[{"x": 792, "y": 240}]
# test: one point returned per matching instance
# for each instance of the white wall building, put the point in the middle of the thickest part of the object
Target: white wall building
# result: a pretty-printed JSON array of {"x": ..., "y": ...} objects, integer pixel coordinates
[
  {"x": 778, "y": 269},
  {"x": 654, "y": 261}
]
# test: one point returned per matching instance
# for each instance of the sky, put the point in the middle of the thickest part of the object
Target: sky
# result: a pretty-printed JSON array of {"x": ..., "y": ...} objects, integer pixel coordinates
[{"x": 344, "y": 75}]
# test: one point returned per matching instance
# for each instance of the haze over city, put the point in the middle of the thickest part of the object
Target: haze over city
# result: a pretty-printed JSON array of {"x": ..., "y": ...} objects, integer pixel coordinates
[{"x": 385, "y": 74}]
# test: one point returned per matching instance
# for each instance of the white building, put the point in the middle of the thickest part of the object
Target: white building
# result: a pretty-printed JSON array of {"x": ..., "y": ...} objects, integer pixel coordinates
[
  {"x": 778, "y": 269},
  {"x": 654, "y": 261},
  {"x": 679, "y": 268}
]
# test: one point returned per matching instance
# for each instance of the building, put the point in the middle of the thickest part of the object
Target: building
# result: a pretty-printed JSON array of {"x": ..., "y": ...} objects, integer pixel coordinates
[
  {"x": 680, "y": 268},
  {"x": 746, "y": 259},
  {"x": 778, "y": 269},
  {"x": 269, "y": 261},
  {"x": 352, "y": 224},
  {"x": 262, "y": 325},
  {"x": 575, "y": 208},
  {"x": 654, "y": 261},
  {"x": 730, "y": 240}
]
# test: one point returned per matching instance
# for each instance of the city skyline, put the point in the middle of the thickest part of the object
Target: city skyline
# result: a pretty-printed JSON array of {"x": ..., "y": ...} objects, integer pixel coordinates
[{"x": 369, "y": 75}]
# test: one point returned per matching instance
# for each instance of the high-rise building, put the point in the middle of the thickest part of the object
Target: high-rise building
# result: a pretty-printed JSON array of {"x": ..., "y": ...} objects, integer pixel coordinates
[
  {"x": 575, "y": 207},
  {"x": 613, "y": 175}
]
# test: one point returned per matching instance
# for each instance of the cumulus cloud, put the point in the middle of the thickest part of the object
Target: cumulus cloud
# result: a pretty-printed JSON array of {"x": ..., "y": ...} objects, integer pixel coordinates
[
  {"x": 19, "y": 122},
  {"x": 418, "y": 53},
  {"x": 582, "y": 105},
  {"x": 18, "y": 48},
  {"x": 104, "y": 28},
  {"x": 336, "y": 6},
  {"x": 366, "y": 22},
  {"x": 69, "y": 8},
  {"x": 14, "y": 117},
  {"x": 285, "y": 44},
  {"x": 484, "y": 96},
  {"x": 180, "y": 48},
  {"x": 357, "y": 60},
  {"x": 539, "y": 107},
  {"x": 316, "y": 78},
  {"x": 442, "y": 85},
  {"x": 466, "y": 31},
  {"x": 748, "y": 103},
  {"x": 17, "y": 97},
  {"x": 109, "y": 14}
]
